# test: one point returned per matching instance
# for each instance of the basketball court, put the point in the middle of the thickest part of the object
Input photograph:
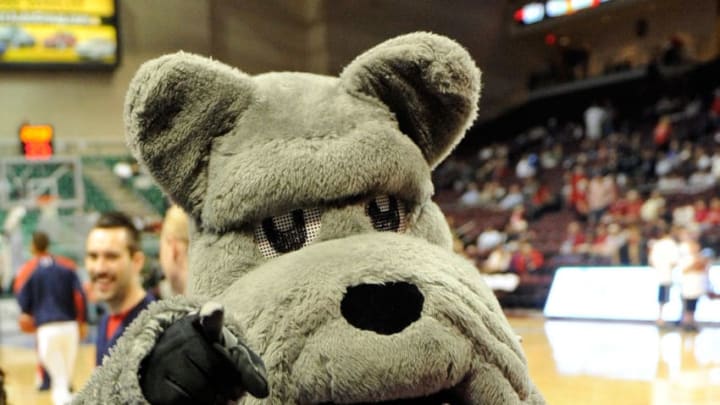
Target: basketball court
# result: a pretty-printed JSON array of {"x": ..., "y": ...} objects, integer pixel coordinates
[{"x": 572, "y": 362}]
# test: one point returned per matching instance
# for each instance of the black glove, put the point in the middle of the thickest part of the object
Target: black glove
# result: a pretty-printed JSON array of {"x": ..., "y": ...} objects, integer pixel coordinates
[{"x": 197, "y": 361}]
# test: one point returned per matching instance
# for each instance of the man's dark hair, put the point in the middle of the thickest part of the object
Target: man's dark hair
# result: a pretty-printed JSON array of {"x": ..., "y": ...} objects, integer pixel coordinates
[
  {"x": 117, "y": 219},
  {"x": 40, "y": 241}
]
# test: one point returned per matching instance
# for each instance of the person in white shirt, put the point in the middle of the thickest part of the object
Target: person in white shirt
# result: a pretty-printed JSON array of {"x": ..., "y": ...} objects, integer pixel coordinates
[
  {"x": 595, "y": 117},
  {"x": 513, "y": 198},
  {"x": 663, "y": 258},
  {"x": 498, "y": 261},
  {"x": 525, "y": 167},
  {"x": 488, "y": 239},
  {"x": 471, "y": 196},
  {"x": 694, "y": 267},
  {"x": 653, "y": 207}
]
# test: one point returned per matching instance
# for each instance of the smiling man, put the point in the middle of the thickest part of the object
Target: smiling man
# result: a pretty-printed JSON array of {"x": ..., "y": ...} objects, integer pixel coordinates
[{"x": 113, "y": 259}]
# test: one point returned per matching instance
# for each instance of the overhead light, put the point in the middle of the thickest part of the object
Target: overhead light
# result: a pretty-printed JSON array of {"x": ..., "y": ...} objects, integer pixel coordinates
[{"x": 530, "y": 13}]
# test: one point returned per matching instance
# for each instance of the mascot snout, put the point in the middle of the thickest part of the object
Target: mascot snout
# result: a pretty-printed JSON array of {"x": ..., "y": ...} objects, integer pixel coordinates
[{"x": 413, "y": 326}]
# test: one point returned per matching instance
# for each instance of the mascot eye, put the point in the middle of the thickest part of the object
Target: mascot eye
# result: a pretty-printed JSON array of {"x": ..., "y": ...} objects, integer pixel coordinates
[
  {"x": 386, "y": 213},
  {"x": 286, "y": 233}
]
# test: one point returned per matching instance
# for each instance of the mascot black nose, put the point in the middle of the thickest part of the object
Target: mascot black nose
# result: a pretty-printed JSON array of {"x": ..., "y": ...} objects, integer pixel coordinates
[{"x": 382, "y": 308}]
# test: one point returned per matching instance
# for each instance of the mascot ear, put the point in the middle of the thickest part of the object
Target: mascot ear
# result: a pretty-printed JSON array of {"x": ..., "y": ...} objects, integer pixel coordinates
[
  {"x": 428, "y": 81},
  {"x": 176, "y": 105}
]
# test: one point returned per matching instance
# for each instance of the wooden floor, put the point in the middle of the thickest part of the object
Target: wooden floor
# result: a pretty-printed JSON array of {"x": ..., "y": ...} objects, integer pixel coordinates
[{"x": 572, "y": 362}]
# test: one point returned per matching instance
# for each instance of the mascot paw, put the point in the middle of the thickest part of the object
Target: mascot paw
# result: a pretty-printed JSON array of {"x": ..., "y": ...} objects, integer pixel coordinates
[{"x": 198, "y": 361}]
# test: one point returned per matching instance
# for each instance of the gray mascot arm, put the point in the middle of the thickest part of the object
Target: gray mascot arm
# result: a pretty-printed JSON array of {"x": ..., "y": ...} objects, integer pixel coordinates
[{"x": 116, "y": 381}]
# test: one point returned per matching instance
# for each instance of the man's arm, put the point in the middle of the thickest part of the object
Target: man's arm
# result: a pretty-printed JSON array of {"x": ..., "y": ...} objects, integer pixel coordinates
[
  {"x": 26, "y": 321},
  {"x": 23, "y": 274},
  {"x": 25, "y": 296}
]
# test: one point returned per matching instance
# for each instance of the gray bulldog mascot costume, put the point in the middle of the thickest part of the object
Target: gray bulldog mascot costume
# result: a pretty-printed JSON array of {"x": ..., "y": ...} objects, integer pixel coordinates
[{"x": 321, "y": 271}]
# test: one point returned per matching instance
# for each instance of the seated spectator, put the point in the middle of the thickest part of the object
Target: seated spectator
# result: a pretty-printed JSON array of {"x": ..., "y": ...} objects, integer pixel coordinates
[
  {"x": 715, "y": 163},
  {"x": 646, "y": 168},
  {"x": 600, "y": 195},
  {"x": 575, "y": 241},
  {"x": 662, "y": 132},
  {"x": 486, "y": 153},
  {"x": 578, "y": 174},
  {"x": 703, "y": 161},
  {"x": 541, "y": 201},
  {"x": 488, "y": 239},
  {"x": 498, "y": 261},
  {"x": 653, "y": 208},
  {"x": 595, "y": 116},
  {"x": 517, "y": 224},
  {"x": 684, "y": 161},
  {"x": 526, "y": 167},
  {"x": 714, "y": 112},
  {"x": 616, "y": 238},
  {"x": 713, "y": 215},
  {"x": 672, "y": 183},
  {"x": 526, "y": 259},
  {"x": 495, "y": 271},
  {"x": 513, "y": 198},
  {"x": 500, "y": 166},
  {"x": 684, "y": 216},
  {"x": 701, "y": 211},
  {"x": 471, "y": 196},
  {"x": 579, "y": 201},
  {"x": 492, "y": 192},
  {"x": 599, "y": 246},
  {"x": 701, "y": 180},
  {"x": 551, "y": 157},
  {"x": 633, "y": 252},
  {"x": 664, "y": 164},
  {"x": 627, "y": 210}
]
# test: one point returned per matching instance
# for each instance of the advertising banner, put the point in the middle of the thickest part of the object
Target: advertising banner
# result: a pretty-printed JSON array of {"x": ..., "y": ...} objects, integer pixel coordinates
[
  {"x": 58, "y": 33},
  {"x": 623, "y": 293}
]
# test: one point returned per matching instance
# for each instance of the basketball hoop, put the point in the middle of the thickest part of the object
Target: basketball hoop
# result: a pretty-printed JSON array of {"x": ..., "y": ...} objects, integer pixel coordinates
[{"x": 45, "y": 200}]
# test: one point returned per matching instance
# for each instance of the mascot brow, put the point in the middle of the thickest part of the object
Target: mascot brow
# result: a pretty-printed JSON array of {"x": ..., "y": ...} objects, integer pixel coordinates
[{"x": 315, "y": 236}]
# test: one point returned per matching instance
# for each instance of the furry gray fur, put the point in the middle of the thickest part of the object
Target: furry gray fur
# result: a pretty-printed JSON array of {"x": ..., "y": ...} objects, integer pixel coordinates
[{"x": 234, "y": 149}]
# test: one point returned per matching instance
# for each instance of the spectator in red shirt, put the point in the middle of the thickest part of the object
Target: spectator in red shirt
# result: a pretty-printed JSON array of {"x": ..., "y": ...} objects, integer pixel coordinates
[
  {"x": 662, "y": 132},
  {"x": 599, "y": 246},
  {"x": 713, "y": 215},
  {"x": 541, "y": 201},
  {"x": 526, "y": 259},
  {"x": 627, "y": 210},
  {"x": 715, "y": 106},
  {"x": 575, "y": 241},
  {"x": 701, "y": 211},
  {"x": 577, "y": 196}
]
